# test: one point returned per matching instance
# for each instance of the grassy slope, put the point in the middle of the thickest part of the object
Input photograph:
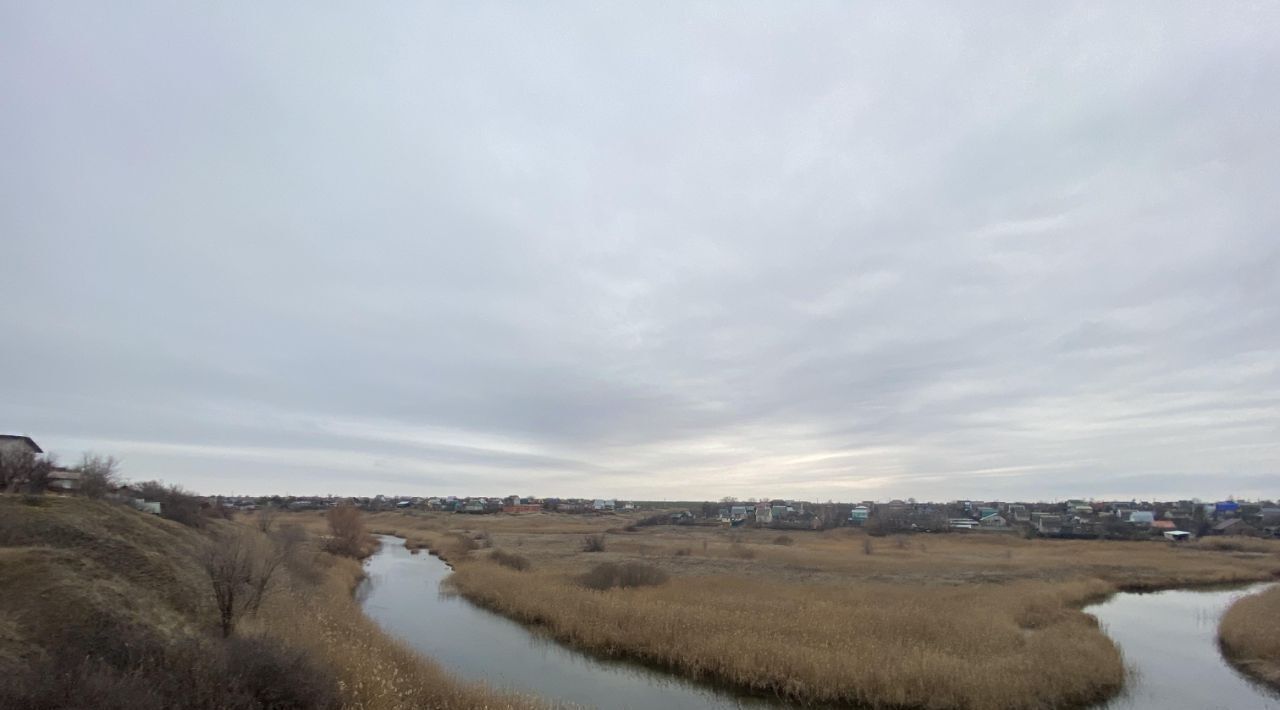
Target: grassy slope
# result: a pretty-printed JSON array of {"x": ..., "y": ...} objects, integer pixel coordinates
[
  {"x": 1250, "y": 636},
  {"x": 928, "y": 621},
  {"x": 73, "y": 568},
  {"x": 70, "y": 568}
]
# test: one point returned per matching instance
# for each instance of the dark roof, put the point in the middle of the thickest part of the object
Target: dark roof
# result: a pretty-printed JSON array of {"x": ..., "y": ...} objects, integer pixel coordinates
[
  {"x": 18, "y": 437},
  {"x": 1230, "y": 522}
]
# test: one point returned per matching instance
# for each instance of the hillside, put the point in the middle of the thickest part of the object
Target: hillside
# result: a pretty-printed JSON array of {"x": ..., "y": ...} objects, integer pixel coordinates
[{"x": 107, "y": 607}]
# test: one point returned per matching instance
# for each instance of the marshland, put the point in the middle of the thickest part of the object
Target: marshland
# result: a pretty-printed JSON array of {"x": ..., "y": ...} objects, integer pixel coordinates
[{"x": 834, "y": 617}]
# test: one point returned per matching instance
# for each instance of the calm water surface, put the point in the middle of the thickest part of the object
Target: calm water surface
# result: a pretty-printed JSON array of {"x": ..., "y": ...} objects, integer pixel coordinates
[
  {"x": 1168, "y": 640},
  {"x": 403, "y": 595}
]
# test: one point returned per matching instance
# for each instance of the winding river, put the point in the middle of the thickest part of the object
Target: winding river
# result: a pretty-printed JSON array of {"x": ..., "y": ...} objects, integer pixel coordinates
[
  {"x": 402, "y": 593},
  {"x": 1170, "y": 645},
  {"x": 1168, "y": 639}
]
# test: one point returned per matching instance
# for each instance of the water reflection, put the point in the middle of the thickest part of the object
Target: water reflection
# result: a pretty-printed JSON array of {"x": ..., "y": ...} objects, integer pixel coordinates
[
  {"x": 404, "y": 595},
  {"x": 1169, "y": 640}
]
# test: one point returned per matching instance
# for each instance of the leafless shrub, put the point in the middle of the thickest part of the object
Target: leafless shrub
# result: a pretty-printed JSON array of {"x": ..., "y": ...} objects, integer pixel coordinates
[
  {"x": 176, "y": 503},
  {"x": 23, "y": 471},
  {"x": 275, "y": 676},
  {"x": 484, "y": 539},
  {"x": 347, "y": 535},
  {"x": 608, "y": 575},
  {"x": 99, "y": 475},
  {"x": 683, "y": 552},
  {"x": 900, "y": 542},
  {"x": 593, "y": 543},
  {"x": 783, "y": 540},
  {"x": 303, "y": 558},
  {"x": 867, "y": 546},
  {"x": 519, "y": 563},
  {"x": 127, "y": 668},
  {"x": 742, "y": 551},
  {"x": 240, "y": 565}
]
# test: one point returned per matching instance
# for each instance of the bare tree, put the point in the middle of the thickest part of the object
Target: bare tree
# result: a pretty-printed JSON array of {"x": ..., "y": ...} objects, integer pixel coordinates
[
  {"x": 346, "y": 530},
  {"x": 21, "y": 470},
  {"x": 240, "y": 564},
  {"x": 99, "y": 475}
]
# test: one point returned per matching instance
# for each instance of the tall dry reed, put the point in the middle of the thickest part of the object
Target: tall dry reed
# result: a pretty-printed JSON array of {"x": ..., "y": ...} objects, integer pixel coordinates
[{"x": 1250, "y": 635}]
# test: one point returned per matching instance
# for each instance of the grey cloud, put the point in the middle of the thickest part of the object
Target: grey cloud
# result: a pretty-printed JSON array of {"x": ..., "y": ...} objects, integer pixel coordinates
[{"x": 824, "y": 251}]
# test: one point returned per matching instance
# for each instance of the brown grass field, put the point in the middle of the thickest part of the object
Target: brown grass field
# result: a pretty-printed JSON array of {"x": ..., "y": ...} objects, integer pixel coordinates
[
  {"x": 924, "y": 621},
  {"x": 77, "y": 574},
  {"x": 1250, "y": 636}
]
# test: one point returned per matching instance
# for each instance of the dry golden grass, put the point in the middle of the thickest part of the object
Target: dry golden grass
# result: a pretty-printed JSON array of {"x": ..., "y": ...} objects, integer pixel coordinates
[
  {"x": 881, "y": 645},
  {"x": 928, "y": 621},
  {"x": 1250, "y": 635},
  {"x": 72, "y": 568},
  {"x": 374, "y": 671}
]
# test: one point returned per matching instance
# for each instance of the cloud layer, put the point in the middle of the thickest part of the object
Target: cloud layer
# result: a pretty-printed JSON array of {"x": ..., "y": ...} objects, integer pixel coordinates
[{"x": 821, "y": 251}]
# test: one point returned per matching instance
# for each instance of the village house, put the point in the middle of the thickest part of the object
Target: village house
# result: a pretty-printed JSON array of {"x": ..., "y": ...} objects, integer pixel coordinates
[
  {"x": 1232, "y": 526},
  {"x": 20, "y": 450},
  {"x": 16, "y": 442},
  {"x": 1047, "y": 524},
  {"x": 64, "y": 480},
  {"x": 994, "y": 520}
]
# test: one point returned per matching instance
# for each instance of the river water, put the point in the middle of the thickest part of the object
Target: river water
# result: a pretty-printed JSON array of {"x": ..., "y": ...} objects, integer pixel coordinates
[
  {"x": 1168, "y": 640},
  {"x": 403, "y": 595}
]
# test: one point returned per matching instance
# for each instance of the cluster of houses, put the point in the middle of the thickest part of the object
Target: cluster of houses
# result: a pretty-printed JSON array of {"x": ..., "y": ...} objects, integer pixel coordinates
[
  {"x": 476, "y": 505},
  {"x": 1173, "y": 520}
]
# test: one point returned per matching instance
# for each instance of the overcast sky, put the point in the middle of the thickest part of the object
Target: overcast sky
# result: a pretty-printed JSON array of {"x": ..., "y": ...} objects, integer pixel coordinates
[{"x": 848, "y": 250}]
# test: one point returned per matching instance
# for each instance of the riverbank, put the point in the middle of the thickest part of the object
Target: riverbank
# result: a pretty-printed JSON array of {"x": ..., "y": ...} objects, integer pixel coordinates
[
  {"x": 1249, "y": 636},
  {"x": 925, "y": 621},
  {"x": 100, "y": 596},
  {"x": 1169, "y": 640}
]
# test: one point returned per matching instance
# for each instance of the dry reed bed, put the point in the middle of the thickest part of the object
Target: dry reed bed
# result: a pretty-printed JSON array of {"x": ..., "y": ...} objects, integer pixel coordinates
[
  {"x": 1250, "y": 635},
  {"x": 946, "y": 621},
  {"x": 1021, "y": 645},
  {"x": 837, "y": 556}
]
